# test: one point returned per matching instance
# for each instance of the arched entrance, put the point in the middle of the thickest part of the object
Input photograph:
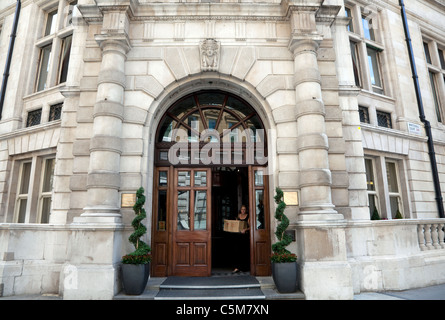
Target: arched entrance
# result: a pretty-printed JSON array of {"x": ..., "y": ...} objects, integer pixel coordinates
[{"x": 210, "y": 158}]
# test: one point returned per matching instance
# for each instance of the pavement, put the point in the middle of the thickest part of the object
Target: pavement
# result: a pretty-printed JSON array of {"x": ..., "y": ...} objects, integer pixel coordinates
[{"x": 436, "y": 292}]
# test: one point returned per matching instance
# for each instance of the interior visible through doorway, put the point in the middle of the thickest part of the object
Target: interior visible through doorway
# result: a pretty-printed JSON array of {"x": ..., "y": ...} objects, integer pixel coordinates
[{"x": 229, "y": 192}]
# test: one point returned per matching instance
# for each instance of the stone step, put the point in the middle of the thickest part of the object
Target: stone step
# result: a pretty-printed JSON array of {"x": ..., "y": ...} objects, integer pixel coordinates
[
  {"x": 211, "y": 294},
  {"x": 210, "y": 288},
  {"x": 238, "y": 287}
]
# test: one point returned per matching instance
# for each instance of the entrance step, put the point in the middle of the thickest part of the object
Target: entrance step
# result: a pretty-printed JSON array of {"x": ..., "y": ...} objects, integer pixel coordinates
[
  {"x": 239, "y": 287},
  {"x": 210, "y": 288}
]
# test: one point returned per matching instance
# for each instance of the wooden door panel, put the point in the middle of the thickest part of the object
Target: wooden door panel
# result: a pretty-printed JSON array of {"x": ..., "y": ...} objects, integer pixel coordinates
[
  {"x": 260, "y": 235},
  {"x": 200, "y": 254},
  {"x": 191, "y": 222},
  {"x": 182, "y": 254},
  {"x": 161, "y": 207},
  {"x": 160, "y": 252}
]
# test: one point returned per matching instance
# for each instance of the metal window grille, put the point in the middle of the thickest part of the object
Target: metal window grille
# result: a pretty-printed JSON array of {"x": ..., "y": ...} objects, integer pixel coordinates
[
  {"x": 364, "y": 114},
  {"x": 384, "y": 119},
  {"x": 34, "y": 118},
  {"x": 55, "y": 112}
]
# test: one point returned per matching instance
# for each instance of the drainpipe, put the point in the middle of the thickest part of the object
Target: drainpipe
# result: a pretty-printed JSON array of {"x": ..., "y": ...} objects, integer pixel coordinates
[
  {"x": 9, "y": 56},
  {"x": 427, "y": 124}
]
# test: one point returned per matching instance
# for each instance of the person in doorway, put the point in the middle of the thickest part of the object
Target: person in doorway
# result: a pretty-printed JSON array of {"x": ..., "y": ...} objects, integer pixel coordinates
[{"x": 242, "y": 243}]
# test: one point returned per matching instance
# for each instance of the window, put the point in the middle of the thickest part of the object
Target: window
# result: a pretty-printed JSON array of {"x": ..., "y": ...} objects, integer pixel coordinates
[
  {"x": 22, "y": 194},
  {"x": 348, "y": 14},
  {"x": 384, "y": 119},
  {"x": 374, "y": 72},
  {"x": 65, "y": 58},
  {"x": 46, "y": 190},
  {"x": 364, "y": 114},
  {"x": 34, "y": 190},
  {"x": 45, "y": 57},
  {"x": 55, "y": 112},
  {"x": 435, "y": 62},
  {"x": 366, "y": 49},
  {"x": 393, "y": 188},
  {"x": 384, "y": 191},
  {"x": 211, "y": 127},
  {"x": 435, "y": 97},
  {"x": 427, "y": 52},
  {"x": 34, "y": 118},
  {"x": 51, "y": 21},
  {"x": 55, "y": 47},
  {"x": 367, "y": 28},
  {"x": 441, "y": 58},
  {"x": 355, "y": 63},
  {"x": 371, "y": 187}
]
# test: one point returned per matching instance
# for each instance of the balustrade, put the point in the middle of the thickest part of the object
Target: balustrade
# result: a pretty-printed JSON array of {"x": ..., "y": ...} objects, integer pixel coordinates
[{"x": 431, "y": 235}]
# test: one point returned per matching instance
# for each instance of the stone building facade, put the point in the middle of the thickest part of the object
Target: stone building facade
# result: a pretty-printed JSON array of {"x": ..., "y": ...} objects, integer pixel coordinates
[{"x": 95, "y": 88}]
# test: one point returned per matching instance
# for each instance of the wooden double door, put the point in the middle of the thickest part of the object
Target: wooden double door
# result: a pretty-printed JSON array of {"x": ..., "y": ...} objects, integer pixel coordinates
[{"x": 184, "y": 221}]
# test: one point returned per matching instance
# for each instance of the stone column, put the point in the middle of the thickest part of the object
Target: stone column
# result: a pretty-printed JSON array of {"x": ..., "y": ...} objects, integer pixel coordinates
[
  {"x": 95, "y": 245},
  {"x": 321, "y": 242},
  {"x": 315, "y": 176},
  {"x": 103, "y": 180}
]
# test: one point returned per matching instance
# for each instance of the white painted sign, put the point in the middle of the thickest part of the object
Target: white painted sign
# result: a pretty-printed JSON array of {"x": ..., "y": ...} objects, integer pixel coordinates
[{"x": 414, "y": 128}]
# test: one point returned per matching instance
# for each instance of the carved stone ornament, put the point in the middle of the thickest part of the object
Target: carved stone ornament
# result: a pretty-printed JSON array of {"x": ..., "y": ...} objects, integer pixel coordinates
[{"x": 210, "y": 53}]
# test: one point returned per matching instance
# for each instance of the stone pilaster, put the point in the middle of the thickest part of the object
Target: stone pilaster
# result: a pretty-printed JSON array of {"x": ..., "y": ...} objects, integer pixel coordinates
[{"x": 315, "y": 175}]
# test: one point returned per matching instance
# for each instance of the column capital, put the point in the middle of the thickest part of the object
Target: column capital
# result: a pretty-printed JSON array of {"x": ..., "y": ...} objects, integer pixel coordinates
[
  {"x": 304, "y": 43},
  {"x": 114, "y": 42}
]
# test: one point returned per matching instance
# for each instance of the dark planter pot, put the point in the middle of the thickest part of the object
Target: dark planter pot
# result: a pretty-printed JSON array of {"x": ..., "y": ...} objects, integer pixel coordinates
[
  {"x": 284, "y": 275},
  {"x": 135, "y": 277}
]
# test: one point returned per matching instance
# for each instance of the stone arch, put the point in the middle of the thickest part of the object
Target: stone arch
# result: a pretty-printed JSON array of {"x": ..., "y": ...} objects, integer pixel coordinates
[{"x": 207, "y": 81}]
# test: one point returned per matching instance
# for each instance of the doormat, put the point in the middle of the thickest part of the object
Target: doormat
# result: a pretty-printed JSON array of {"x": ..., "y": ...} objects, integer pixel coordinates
[{"x": 210, "y": 282}]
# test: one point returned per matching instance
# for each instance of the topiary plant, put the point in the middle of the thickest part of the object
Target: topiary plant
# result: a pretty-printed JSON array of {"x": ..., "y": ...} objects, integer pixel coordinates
[
  {"x": 280, "y": 253},
  {"x": 375, "y": 215},
  {"x": 142, "y": 253},
  {"x": 398, "y": 215}
]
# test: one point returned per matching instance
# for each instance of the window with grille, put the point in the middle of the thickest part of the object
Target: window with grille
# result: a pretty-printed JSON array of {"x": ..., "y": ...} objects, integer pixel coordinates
[
  {"x": 384, "y": 119},
  {"x": 34, "y": 118},
  {"x": 55, "y": 112},
  {"x": 364, "y": 114}
]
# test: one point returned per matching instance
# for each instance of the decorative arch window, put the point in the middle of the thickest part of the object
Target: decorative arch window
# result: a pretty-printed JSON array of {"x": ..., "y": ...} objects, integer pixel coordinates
[{"x": 211, "y": 127}]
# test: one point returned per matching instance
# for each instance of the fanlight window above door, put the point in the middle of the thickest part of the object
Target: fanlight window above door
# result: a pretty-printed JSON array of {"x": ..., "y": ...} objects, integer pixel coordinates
[
  {"x": 211, "y": 128},
  {"x": 210, "y": 116}
]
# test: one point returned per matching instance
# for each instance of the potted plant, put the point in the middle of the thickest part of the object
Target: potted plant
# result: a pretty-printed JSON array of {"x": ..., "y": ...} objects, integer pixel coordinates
[
  {"x": 375, "y": 215},
  {"x": 136, "y": 265},
  {"x": 284, "y": 263}
]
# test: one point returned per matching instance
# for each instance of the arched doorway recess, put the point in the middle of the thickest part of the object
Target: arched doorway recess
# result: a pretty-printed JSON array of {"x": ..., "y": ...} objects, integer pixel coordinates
[{"x": 210, "y": 158}]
